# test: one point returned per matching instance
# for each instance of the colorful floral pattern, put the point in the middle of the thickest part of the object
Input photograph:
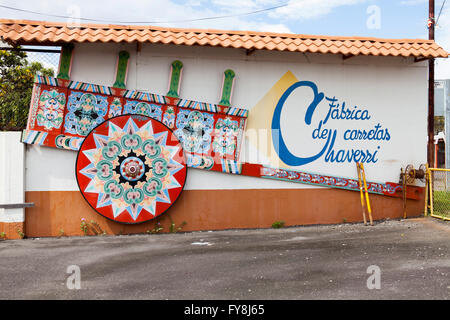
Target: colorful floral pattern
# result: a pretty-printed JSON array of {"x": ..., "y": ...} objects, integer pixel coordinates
[
  {"x": 194, "y": 130},
  {"x": 169, "y": 117},
  {"x": 131, "y": 168},
  {"x": 86, "y": 111},
  {"x": 115, "y": 108},
  {"x": 51, "y": 109},
  {"x": 147, "y": 109},
  {"x": 199, "y": 162},
  {"x": 226, "y": 131}
]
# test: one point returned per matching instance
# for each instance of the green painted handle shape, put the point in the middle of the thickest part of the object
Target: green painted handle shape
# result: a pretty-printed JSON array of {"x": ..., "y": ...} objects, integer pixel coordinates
[
  {"x": 227, "y": 87},
  {"x": 174, "y": 86},
  {"x": 122, "y": 66},
  {"x": 65, "y": 61}
]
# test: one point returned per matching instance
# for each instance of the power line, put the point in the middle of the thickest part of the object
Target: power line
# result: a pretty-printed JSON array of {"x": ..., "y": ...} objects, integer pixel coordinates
[
  {"x": 146, "y": 22},
  {"x": 440, "y": 11}
]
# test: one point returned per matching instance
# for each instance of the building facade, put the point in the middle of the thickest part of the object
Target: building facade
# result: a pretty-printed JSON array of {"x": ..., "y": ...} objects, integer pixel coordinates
[{"x": 308, "y": 115}]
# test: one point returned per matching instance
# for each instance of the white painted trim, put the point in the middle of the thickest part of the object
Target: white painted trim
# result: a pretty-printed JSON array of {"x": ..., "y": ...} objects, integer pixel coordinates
[{"x": 12, "y": 173}]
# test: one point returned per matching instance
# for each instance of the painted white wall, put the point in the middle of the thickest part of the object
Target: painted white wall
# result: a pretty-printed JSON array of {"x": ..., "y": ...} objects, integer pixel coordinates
[
  {"x": 12, "y": 176},
  {"x": 50, "y": 169},
  {"x": 393, "y": 89}
]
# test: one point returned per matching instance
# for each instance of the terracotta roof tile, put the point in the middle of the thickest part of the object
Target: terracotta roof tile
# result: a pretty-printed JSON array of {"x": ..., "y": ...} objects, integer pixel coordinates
[
  {"x": 43, "y": 32},
  {"x": 292, "y": 47},
  {"x": 334, "y": 49}
]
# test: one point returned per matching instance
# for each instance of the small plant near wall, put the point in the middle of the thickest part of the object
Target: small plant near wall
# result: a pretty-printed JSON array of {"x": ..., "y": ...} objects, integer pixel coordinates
[
  {"x": 95, "y": 227},
  {"x": 173, "y": 228},
  {"x": 92, "y": 226},
  {"x": 157, "y": 229},
  {"x": 20, "y": 233},
  {"x": 84, "y": 226},
  {"x": 61, "y": 232},
  {"x": 278, "y": 224},
  {"x": 2, "y": 236}
]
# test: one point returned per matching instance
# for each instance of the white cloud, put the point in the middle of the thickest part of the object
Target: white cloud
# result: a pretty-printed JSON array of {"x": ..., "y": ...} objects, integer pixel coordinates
[
  {"x": 412, "y": 2},
  {"x": 253, "y": 4},
  {"x": 308, "y": 9},
  {"x": 236, "y": 4},
  {"x": 156, "y": 12}
]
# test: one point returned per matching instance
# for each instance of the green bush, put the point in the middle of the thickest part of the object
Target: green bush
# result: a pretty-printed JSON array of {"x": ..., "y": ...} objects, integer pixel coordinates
[{"x": 16, "y": 85}]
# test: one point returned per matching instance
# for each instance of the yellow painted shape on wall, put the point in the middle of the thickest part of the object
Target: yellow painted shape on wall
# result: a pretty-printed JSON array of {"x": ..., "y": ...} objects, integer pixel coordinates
[{"x": 259, "y": 122}]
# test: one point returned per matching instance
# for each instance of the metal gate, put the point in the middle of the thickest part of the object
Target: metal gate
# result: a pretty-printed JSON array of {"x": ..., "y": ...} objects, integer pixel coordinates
[{"x": 437, "y": 201}]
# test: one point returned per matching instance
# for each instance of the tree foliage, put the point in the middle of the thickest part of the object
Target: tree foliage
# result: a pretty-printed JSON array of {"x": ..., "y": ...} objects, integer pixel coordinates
[{"x": 16, "y": 84}]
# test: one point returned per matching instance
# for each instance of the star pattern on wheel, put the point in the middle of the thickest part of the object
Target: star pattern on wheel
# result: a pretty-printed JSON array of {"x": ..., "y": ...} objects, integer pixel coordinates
[{"x": 131, "y": 169}]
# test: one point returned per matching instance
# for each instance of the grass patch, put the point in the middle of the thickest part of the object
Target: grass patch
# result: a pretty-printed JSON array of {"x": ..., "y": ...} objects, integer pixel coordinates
[
  {"x": 278, "y": 224},
  {"x": 441, "y": 203}
]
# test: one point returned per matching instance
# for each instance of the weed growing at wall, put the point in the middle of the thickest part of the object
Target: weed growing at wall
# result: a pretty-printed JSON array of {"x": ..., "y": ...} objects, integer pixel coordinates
[
  {"x": 278, "y": 224},
  {"x": 91, "y": 226},
  {"x": 173, "y": 228},
  {"x": 96, "y": 229},
  {"x": 20, "y": 233},
  {"x": 84, "y": 226},
  {"x": 157, "y": 229}
]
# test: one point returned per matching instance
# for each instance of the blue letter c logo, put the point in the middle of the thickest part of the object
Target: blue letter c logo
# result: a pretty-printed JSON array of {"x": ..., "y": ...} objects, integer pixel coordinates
[{"x": 280, "y": 147}]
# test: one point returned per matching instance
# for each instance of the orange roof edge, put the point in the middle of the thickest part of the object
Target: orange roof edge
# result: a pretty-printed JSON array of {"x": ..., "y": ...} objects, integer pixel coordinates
[{"x": 33, "y": 32}]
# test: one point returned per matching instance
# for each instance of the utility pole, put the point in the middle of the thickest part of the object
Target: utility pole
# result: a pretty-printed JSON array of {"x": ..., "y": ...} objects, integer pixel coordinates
[{"x": 431, "y": 148}]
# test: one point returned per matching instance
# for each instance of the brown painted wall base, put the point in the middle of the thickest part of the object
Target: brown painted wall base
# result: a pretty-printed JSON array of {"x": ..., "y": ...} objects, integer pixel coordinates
[
  {"x": 11, "y": 230},
  {"x": 59, "y": 213}
]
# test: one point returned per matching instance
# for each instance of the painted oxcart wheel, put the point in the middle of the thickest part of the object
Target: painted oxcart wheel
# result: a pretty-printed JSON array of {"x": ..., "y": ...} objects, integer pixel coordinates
[{"x": 131, "y": 168}]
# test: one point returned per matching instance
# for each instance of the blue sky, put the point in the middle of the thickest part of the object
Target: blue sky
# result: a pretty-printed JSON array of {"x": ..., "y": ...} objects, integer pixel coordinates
[
  {"x": 373, "y": 18},
  {"x": 399, "y": 19}
]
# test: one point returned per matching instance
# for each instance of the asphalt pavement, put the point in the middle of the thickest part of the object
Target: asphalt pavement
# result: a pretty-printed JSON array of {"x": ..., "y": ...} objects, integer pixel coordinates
[{"x": 396, "y": 259}]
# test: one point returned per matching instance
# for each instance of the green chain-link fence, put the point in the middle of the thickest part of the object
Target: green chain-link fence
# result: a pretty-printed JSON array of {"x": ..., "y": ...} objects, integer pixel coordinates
[
  {"x": 48, "y": 58},
  {"x": 18, "y": 66},
  {"x": 439, "y": 185}
]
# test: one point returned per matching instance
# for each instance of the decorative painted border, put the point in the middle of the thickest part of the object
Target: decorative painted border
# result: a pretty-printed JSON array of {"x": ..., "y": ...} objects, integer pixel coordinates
[
  {"x": 93, "y": 88},
  {"x": 387, "y": 189},
  {"x": 33, "y": 106},
  {"x": 142, "y": 95},
  {"x": 51, "y": 81},
  {"x": 231, "y": 166},
  {"x": 167, "y": 109},
  {"x": 34, "y": 137},
  {"x": 48, "y": 139}
]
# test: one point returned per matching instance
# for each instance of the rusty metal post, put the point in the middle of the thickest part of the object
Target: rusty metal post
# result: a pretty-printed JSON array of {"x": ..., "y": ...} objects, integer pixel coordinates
[{"x": 430, "y": 153}]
